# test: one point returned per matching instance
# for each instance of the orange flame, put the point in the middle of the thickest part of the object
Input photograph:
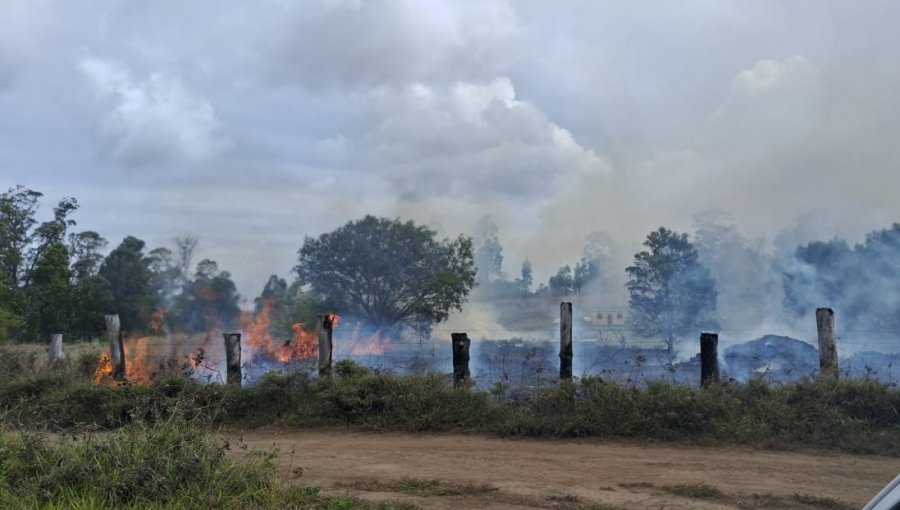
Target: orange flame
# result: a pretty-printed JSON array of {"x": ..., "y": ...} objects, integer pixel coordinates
[
  {"x": 146, "y": 360},
  {"x": 104, "y": 370},
  {"x": 158, "y": 321},
  {"x": 374, "y": 346},
  {"x": 303, "y": 344}
]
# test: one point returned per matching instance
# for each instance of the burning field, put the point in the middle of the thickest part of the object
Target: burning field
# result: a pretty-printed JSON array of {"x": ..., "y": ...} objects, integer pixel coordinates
[{"x": 203, "y": 356}]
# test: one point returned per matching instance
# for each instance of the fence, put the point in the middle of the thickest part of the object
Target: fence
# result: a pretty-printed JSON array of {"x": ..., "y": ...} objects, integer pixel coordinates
[{"x": 487, "y": 361}]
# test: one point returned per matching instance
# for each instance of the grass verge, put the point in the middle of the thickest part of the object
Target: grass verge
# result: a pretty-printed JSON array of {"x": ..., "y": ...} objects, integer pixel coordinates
[{"x": 859, "y": 416}]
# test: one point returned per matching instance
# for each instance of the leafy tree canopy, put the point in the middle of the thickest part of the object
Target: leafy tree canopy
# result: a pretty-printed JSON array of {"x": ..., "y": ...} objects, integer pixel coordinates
[
  {"x": 671, "y": 292},
  {"x": 389, "y": 272},
  {"x": 133, "y": 296}
]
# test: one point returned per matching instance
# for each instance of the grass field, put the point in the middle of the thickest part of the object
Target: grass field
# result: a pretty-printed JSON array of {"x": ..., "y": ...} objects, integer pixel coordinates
[{"x": 161, "y": 434}]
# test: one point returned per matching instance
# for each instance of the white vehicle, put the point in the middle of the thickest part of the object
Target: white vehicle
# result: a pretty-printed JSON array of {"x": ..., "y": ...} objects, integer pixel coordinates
[{"x": 888, "y": 498}]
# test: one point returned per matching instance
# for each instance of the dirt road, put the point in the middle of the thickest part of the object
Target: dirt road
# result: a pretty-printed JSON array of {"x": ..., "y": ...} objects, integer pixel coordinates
[{"x": 573, "y": 474}]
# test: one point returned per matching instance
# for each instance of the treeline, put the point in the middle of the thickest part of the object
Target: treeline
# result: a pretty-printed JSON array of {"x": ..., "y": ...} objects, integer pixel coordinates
[
  {"x": 716, "y": 275},
  {"x": 56, "y": 279}
]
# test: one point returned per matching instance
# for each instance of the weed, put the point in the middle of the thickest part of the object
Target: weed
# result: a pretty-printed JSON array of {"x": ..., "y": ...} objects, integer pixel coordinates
[
  {"x": 419, "y": 487},
  {"x": 697, "y": 491}
]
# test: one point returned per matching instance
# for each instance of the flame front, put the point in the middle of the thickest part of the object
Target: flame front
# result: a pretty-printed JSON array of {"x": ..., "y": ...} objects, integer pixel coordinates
[
  {"x": 104, "y": 370},
  {"x": 303, "y": 344}
]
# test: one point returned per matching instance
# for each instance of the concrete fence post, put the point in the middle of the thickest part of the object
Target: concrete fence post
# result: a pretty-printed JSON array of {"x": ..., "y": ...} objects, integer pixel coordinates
[{"x": 57, "y": 355}]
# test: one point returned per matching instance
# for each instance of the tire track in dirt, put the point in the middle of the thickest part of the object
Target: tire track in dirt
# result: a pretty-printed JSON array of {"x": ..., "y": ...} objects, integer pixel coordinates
[{"x": 530, "y": 471}]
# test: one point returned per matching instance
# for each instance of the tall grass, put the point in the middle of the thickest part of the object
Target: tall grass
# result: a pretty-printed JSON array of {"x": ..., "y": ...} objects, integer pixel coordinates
[{"x": 857, "y": 416}]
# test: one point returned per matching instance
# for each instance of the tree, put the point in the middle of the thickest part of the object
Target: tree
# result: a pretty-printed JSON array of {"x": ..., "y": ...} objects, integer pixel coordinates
[
  {"x": 25, "y": 253},
  {"x": 85, "y": 248},
  {"x": 388, "y": 272},
  {"x": 50, "y": 295},
  {"x": 488, "y": 251},
  {"x": 860, "y": 283},
  {"x": 130, "y": 284},
  {"x": 590, "y": 270},
  {"x": 562, "y": 283},
  {"x": 671, "y": 292},
  {"x": 746, "y": 279},
  {"x": 18, "y": 207},
  {"x": 209, "y": 301},
  {"x": 525, "y": 279}
]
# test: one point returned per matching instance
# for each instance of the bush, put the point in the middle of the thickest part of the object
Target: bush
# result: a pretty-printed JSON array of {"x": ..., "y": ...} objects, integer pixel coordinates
[
  {"x": 858, "y": 416},
  {"x": 169, "y": 465}
]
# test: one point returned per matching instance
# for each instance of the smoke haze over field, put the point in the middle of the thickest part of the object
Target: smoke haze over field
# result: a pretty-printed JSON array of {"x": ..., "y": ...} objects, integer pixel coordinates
[{"x": 254, "y": 124}]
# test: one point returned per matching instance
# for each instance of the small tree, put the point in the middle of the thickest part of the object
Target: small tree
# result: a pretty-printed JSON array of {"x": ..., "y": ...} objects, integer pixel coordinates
[
  {"x": 388, "y": 272},
  {"x": 672, "y": 294},
  {"x": 525, "y": 279}
]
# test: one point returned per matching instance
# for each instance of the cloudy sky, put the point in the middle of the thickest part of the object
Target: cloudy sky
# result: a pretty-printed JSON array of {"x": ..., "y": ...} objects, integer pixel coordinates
[{"x": 253, "y": 124}]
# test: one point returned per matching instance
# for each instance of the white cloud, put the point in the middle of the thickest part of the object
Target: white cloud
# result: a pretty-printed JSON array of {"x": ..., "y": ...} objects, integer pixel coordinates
[
  {"x": 153, "y": 121},
  {"x": 769, "y": 75},
  {"x": 363, "y": 43},
  {"x": 476, "y": 139}
]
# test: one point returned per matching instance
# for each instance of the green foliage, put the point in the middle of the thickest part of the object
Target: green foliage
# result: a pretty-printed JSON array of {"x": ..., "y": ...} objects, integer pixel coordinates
[
  {"x": 857, "y": 416},
  {"x": 51, "y": 293},
  {"x": 562, "y": 283},
  {"x": 696, "y": 491},
  {"x": 671, "y": 293},
  {"x": 171, "y": 464},
  {"x": 420, "y": 487},
  {"x": 388, "y": 272},
  {"x": 131, "y": 291}
]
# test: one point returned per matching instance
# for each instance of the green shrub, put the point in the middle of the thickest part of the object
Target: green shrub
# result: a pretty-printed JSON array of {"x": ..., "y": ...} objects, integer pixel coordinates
[{"x": 172, "y": 464}]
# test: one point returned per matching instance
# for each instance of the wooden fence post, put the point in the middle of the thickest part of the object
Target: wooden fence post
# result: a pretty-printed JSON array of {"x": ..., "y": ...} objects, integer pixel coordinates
[
  {"x": 709, "y": 358},
  {"x": 56, "y": 349},
  {"x": 565, "y": 340},
  {"x": 828, "y": 358},
  {"x": 233, "y": 358},
  {"x": 460, "y": 343},
  {"x": 116, "y": 349},
  {"x": 326, "y": 344}
]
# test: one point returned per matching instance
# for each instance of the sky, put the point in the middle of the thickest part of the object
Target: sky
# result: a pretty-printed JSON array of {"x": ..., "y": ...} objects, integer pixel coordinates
[{"x": 254, "y": 124}]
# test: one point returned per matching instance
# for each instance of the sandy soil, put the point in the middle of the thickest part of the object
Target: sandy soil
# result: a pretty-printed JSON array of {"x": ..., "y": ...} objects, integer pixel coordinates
[{"x": 556, "y": 473}]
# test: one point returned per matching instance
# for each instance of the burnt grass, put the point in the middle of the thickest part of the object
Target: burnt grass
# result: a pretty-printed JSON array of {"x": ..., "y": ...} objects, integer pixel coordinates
[{"x": 859, "y": 416}]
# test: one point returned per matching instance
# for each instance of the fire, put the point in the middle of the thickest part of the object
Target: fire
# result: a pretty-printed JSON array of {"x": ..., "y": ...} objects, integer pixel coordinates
[
  {"x": 146, "y": 360},
  {"x": 104, "y": 370},
  {"x": 303, "y": 344},
  {"x": 374, "y": 346},
  {"x": 138, "y": 365},
  {"x": 158, "y": 321}
]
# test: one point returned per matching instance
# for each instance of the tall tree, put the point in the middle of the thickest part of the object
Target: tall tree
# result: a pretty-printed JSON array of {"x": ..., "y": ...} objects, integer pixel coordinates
[
  {"x": 592, "y": 269},
  {"x": 50, "y": 295},
  {"x": 388, "y": 272},
  {"x": 562, "y": 283},
  {"x": 525, "y": 279},
  {"x": 131, "y": 289},
  {"x": 209, "y": 302},
  {"x": 671, "y": 292},
  {"x": 746, "y": 279},
  {"x": 18, "y": 207},
  {"x": 488, "y": 251}
]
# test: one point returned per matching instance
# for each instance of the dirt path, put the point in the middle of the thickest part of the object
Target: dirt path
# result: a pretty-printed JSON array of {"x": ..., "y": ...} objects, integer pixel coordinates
[{"x": 573, "y": 474}]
